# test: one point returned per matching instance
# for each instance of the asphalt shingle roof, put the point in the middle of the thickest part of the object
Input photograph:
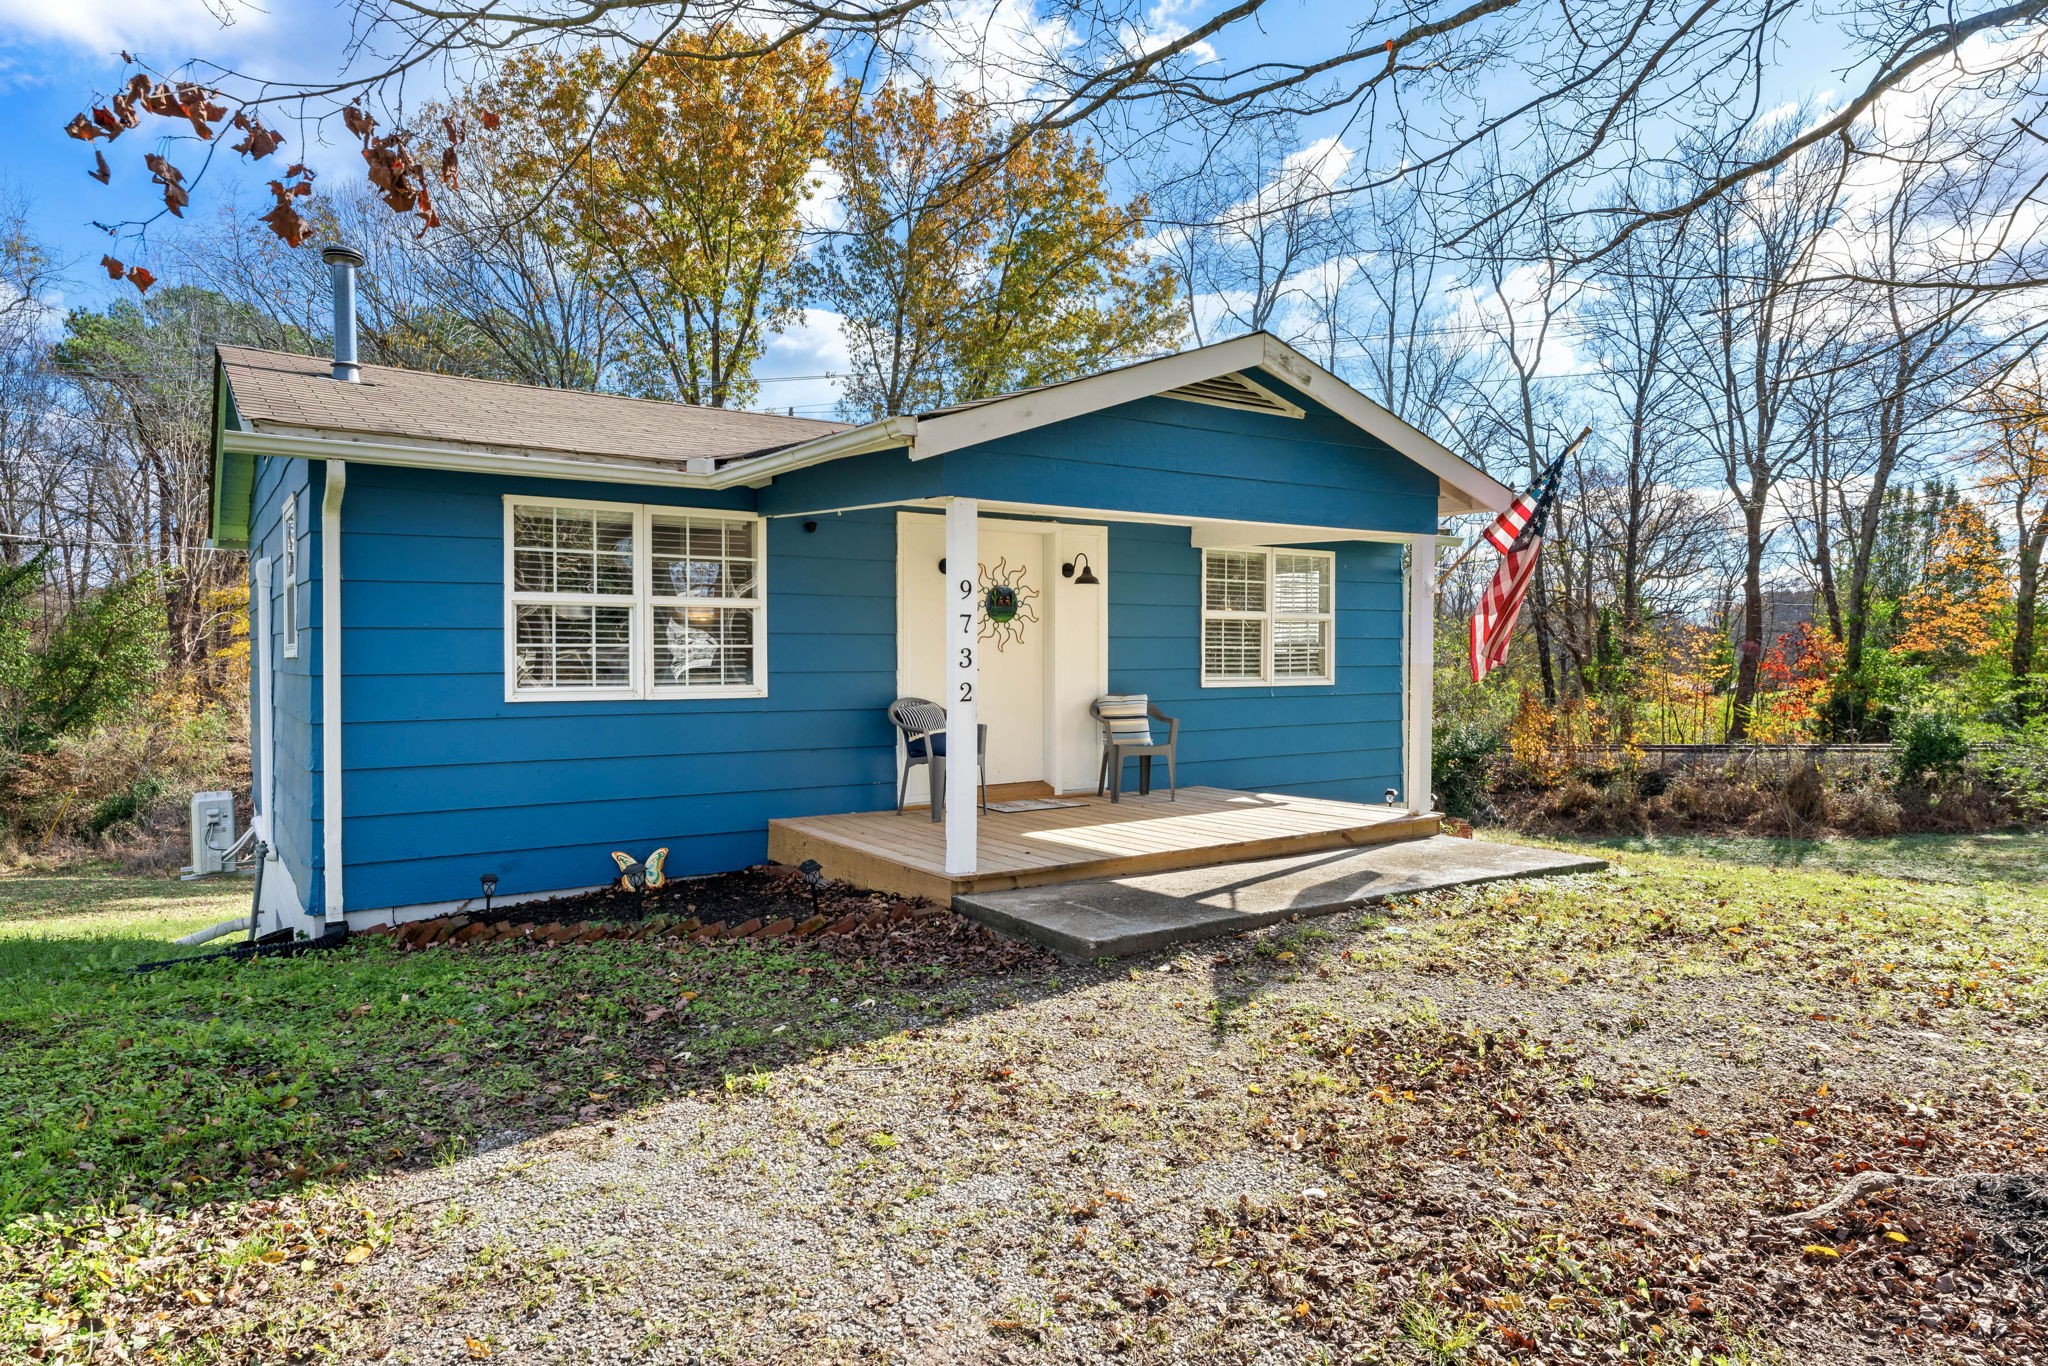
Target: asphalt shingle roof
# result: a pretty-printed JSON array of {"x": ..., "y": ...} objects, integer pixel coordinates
[{"x": 276, "y": 389}]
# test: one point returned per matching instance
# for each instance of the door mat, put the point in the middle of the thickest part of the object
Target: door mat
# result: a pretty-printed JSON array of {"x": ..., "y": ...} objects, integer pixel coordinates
[{"x": 1032, "y": 804}]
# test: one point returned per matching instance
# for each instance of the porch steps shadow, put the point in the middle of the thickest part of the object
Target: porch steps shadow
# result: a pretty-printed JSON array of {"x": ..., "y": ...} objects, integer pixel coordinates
[{"x": 1116, "y": 917}]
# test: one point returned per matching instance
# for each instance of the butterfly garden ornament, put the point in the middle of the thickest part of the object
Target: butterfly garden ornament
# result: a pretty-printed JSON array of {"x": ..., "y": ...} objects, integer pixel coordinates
[{"x": 635, "y": 876}]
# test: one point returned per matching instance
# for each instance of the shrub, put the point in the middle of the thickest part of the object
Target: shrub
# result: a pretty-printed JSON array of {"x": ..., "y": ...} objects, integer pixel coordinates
[
  {"x": 1928, "y": 751},
  {"x": 132, "y": 770},
  {"x": 1462, "y": 761}
]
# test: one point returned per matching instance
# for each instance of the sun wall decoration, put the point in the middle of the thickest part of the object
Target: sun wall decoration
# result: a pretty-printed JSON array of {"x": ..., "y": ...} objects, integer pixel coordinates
[{"x": 1006, "y": 603}]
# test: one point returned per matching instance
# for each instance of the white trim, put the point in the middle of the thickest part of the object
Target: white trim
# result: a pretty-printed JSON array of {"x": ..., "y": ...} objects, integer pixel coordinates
[
  {"x": 938, "y": 433},
  {"x": 332, "y": 902},
  {"x": 641, "y": 605},
  {"x": 1419, "y": 650},
  {"x": 1270, "y": 616},
  {"x": 1077, "y": 647},
  {"x": 319, "y": 443},
  {"x": 382, "y": 916},
  {"x": 288, "y": 536},
  {"x": 1458, "y": 479},
  {"x": 1211, "y": 533},
  {"x": 262, "y": 724},
  {"x": 963, "y": 653},
  {"x": 1462, "y": 486},
  {"x": 888, "y": 434}
]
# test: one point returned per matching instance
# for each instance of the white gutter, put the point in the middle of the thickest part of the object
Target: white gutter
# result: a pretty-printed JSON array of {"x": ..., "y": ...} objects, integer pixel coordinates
[
  {"x": 368, "y": 450},
  {"x": 886, "y": 434},
  {"x": 330, "y": 694}
]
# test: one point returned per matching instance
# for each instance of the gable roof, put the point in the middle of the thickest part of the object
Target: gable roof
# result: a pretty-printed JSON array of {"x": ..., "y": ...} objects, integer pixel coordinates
[
  {"x": 1463, "y": 486},
  {"x": 277, "y": 389},
  {"x": 274, "y": 403}
]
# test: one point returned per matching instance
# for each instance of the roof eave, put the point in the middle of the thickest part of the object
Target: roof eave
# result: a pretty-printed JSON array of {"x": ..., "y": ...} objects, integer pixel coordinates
[
  {"x": 372, "y": 449},
  {"x": 890, "y": 433},
  {"x": 318, "y": 444},
  {"x": 1460, "y": 482}
]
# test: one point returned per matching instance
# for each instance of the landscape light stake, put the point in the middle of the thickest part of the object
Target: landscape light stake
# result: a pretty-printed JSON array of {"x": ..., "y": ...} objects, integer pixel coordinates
[
  {"x": 489, "y": 882},
  {"x": 814, "y": 878}
]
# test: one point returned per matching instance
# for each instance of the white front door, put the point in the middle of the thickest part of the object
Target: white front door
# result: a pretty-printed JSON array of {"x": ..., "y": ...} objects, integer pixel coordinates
[{"x": 1040, "y": 646}]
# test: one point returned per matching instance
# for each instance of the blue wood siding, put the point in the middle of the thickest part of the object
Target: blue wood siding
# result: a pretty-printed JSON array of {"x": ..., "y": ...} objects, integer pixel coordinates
[
  {"x": 295, "y": 825},
  {"x": 1341, "y": 741},
  {"x": 446, "y": 780},
  {"x": 1156, "y": 456}
]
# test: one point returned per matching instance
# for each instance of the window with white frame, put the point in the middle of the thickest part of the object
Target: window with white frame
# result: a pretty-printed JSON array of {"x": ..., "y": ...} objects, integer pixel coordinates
[
  {"x": 1267, "y": 617},
  {"x": 288, "y": 592},
  {"x": 630, "y": 600}
]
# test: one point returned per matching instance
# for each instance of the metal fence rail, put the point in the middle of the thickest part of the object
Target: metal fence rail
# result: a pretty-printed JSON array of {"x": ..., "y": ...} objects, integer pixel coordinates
[{"x": 1761, "y": 759}]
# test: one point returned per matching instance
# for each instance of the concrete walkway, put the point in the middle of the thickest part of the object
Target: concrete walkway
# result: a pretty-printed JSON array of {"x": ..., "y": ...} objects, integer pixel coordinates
[{"x": 1126, "y": 915}]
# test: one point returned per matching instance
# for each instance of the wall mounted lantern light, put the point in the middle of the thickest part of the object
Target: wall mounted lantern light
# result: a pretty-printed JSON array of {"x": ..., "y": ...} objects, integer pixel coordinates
[{"x": 1086, "y": 577}]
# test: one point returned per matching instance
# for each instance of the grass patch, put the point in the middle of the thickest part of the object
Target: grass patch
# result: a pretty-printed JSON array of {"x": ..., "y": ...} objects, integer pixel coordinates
[{"x": 130, "y": 1104}]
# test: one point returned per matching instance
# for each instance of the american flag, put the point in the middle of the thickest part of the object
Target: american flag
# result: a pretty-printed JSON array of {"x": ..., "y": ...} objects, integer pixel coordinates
[{"x": 1518, "y": 535}]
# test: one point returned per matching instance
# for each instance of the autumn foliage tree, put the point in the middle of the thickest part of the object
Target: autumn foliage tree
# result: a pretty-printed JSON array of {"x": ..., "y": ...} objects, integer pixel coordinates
[
  {"x": 1952, "y": 613},
  {"x": 679, "y": 178},
  {"x": 1797, "y": 673},
  {"x": 2012, "y": 468},
  {"x": 972, "y": 262}
]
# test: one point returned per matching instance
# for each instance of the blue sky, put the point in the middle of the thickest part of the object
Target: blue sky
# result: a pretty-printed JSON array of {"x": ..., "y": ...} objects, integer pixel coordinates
[{"x": 54, "y": 54}]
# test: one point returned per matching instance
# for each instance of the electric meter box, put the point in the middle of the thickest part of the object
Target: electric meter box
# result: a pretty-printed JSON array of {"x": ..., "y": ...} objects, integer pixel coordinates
[{"x": 213, "y": 832}]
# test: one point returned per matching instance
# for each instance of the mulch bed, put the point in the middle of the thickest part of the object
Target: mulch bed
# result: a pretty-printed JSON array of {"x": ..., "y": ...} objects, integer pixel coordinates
[{"x": 767, "y": 901}]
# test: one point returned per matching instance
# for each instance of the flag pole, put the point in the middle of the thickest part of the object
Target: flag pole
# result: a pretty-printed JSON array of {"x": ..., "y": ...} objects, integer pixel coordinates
[{"x": 1473, "y": 544}]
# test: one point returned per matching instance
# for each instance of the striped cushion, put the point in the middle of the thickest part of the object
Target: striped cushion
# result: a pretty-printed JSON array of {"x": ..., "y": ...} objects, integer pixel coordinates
[{"x": 1127, "y": 718}]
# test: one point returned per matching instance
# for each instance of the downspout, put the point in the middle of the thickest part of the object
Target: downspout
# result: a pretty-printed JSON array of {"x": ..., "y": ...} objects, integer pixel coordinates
[{"x": 330, "y": 696}]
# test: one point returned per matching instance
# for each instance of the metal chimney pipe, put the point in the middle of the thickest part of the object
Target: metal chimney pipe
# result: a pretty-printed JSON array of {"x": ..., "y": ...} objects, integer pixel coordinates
[{"x": 341, "y": 269}]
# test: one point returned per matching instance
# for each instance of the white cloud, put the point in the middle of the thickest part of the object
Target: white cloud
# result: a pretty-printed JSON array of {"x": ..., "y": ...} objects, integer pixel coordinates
[
  {"x": 998, "y": 50},
  {"x": 180, "y": 28},
  {"x": 800, "y": 366},
  {"x": 1515, "y": 311},
  {"x": 1162, "y": 25},
  {"x": 823, "y": 208}
]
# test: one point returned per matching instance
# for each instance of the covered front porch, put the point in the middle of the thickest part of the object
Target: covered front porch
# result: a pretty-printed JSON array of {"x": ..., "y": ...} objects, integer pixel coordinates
[{"x": 1089, "y": 837}]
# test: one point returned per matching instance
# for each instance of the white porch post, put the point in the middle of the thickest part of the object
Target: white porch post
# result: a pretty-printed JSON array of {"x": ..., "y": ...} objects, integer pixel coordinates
[
  {"x": 963, "y": 771},
  {"x": 1421, "y": 670}
]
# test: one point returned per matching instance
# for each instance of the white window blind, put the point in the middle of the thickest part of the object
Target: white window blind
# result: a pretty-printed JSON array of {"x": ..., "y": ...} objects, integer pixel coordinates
[
  {"x": 629, "y": 600},
  {"x": 1268, "y": 616}
]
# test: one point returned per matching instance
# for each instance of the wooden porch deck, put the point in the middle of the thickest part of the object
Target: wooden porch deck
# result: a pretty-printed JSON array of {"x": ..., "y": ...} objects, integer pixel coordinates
[{"x": 906, "y": 854}]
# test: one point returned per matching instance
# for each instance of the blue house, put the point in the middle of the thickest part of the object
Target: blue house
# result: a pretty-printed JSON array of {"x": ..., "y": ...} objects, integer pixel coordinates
[{"x": 502, "y": 631}]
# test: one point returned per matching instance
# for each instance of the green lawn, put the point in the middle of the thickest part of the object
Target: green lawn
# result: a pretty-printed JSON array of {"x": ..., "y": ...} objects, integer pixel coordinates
[
  {"x": 1702, "y": 1036},
  {"x": 125, "y": 1097}
]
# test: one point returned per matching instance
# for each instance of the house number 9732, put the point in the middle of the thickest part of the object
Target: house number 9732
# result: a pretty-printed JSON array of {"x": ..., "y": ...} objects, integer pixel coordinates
[{"x": 967, "y": 630}]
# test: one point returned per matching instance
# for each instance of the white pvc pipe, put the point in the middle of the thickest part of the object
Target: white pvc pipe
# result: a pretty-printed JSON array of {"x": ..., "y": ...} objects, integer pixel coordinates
[{"x": 239, "y": 925}]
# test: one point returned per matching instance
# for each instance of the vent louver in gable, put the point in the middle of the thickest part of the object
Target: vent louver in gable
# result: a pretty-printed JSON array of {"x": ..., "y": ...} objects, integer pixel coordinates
[{"x": 1235, "y": 391}]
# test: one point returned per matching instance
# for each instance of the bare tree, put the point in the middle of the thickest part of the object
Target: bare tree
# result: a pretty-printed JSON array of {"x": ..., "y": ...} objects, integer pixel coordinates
[
  {"x": 1605, "y": 88},
  {"x": 1754, "y": 335}
]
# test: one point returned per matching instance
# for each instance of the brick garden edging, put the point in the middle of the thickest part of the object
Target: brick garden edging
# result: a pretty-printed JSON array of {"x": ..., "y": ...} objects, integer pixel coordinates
[{"x": 455, "y": 930}]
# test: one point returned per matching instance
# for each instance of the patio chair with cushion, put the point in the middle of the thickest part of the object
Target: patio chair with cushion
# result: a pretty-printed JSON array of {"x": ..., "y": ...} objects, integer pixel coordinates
[
  {"x": 1126, "y": 720},
  {"x": 922, "y": 725}
]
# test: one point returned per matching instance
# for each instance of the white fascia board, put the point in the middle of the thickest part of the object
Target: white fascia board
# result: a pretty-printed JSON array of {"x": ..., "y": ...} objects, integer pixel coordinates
[
  {"x": 887, "y": 434},
  {"x": 368, "y": 450},
  {"x": 1220, "y": 535},
  {"x": 1201, "y": 530},
  {"x": 1457, "y": 478},
  {"x": 943, "y": 432},
  {"x": 316, "y": 444}
]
